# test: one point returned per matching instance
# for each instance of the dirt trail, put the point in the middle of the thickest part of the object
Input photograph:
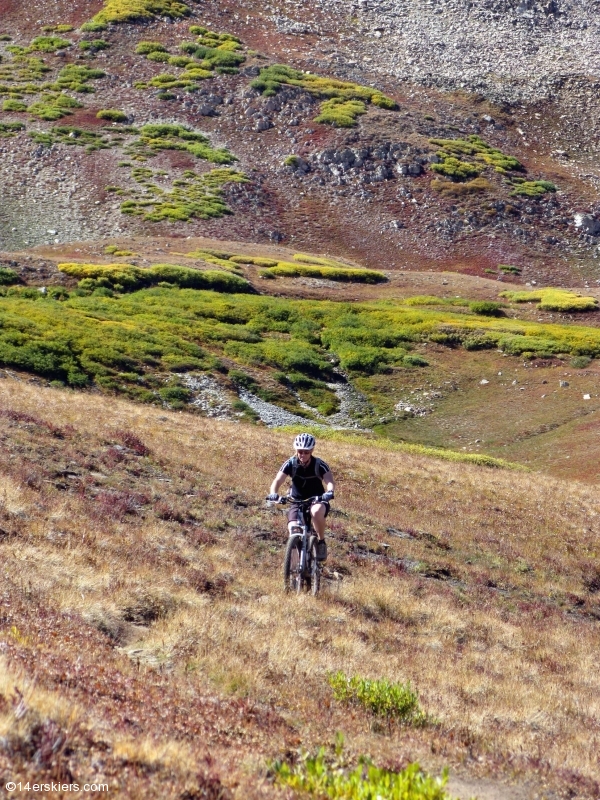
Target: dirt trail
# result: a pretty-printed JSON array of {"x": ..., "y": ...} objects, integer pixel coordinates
[{"x": 465, "y": 789}]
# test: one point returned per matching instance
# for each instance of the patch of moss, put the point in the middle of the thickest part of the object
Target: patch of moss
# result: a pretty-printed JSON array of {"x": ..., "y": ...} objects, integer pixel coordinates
[
  {"x": 458, "y": 170},
  {"x": 119, "y": 11},
  {"x": 93, "y": 46},
  {"x": 193, "y": 197},
  {"x": 112, "y": 115},
  {"x": 156, "y": 137},
  {"x": 14, "y": 105},
  {"x": 271, "y": 79},
  {"x": 455, "y": 169},
  {"x": 128, "y": 278},
  {"x": 337, "y": 273},
  {"x": 340, "y": 113},
  {"x": 114, "y": 250},
  {"x": 551, "y": 299},
  {"x": 48, "y": 44},
  {"x": 65, "y": 134},
  {"x": 60, "y": 28},
  {"x": 76, "y": 77},
  {"x": 450, "y": 189},
  {"x": 52, "y": 106},
  {"x": 526, "y": 188},
  {"x": 144, "y": 48},
  {"x": 509, "y": 269}
]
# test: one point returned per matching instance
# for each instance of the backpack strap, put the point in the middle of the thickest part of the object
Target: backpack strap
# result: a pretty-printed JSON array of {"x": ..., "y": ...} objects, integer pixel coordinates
[{"x": 295, "y": 466}]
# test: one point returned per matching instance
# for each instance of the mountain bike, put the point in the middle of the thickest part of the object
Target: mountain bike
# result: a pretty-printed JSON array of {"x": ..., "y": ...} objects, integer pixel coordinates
[{"x": 301, "y": 569}]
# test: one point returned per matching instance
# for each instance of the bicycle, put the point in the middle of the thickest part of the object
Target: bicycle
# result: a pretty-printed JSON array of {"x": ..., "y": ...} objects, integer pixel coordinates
[{"x": 301, "y": 568}]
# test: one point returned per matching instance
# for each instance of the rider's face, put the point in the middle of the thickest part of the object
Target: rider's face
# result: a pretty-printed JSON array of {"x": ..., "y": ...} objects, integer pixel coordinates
[{"x": 304, "y": 456}]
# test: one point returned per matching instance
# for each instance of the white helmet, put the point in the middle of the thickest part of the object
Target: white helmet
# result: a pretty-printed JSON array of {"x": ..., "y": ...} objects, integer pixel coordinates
[{"x": 304, "y": 441}]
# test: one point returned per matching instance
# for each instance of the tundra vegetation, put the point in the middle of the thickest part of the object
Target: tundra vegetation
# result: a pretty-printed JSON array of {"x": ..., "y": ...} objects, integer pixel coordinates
[
  {"x": 343, "y": 102},
  {"x": 149, "y": 584},
  {"x": 119, "y": 11},
  {"x": 173, "y": 323}
]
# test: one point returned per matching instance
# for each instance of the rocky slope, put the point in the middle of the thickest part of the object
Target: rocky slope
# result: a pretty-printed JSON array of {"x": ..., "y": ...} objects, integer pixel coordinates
[{"x": 519, "y": 75}]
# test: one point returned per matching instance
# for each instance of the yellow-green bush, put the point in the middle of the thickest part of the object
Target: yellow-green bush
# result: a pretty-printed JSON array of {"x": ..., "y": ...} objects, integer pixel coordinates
[
  {"x": 340, "y": 113},
  {"x": 118, "y": 11},
  {"x": 344, "y": 101},
  {"x": 315, "y": 777},
  {"x": 192, "y": 197},
  {"x": 531, "y": 188},
  {"x": 126, "y": 277},
  {"x": 291, "y": 270},
  {"x": 553, "y": 300}
]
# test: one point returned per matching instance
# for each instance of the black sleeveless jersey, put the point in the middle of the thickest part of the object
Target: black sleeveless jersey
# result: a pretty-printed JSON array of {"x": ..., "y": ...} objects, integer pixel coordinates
[{"x": 306, "y": 481}]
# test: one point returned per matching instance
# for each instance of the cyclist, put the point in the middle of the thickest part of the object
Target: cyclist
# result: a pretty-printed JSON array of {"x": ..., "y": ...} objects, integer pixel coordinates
[{"x": 307, "y": 475}]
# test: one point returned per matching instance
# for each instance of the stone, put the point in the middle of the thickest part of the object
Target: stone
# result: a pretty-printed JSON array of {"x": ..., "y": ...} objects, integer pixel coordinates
[
  {"x": 587, "y": 224},
  {"x": 262, "y": 124},
  {"x": 563, "y": 384},
  {"x": 483, "y": 382}
]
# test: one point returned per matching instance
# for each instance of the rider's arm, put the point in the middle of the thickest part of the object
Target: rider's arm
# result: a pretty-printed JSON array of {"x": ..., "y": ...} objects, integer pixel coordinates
[
  {"x": 279, "y": 479},
  {"x": 329, "y": 482}
]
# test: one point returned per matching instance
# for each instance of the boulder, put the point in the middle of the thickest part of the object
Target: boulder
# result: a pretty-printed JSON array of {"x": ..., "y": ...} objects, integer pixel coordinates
[{"x": 587, "y": 224}]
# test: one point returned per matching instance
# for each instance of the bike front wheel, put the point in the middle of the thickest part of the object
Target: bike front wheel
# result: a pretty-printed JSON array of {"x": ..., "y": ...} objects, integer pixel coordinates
[
  {"x": 315, "y": 568},
  {"x": 292, "y": 579}
]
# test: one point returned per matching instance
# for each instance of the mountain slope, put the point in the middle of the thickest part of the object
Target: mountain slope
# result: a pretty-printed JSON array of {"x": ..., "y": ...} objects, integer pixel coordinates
[{"x": 148, "y": 596}]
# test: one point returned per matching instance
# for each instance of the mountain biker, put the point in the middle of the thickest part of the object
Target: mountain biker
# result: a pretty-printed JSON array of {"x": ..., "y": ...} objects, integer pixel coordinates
[{"x": 307, "y": 474}]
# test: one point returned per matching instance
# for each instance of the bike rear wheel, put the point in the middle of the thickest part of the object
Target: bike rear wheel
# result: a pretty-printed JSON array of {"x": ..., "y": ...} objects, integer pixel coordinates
[{"x": 292, "y": 580}]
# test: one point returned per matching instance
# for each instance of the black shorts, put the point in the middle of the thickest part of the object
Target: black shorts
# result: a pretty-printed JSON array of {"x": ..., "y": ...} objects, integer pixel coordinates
[{"x": 295, "y": 514}]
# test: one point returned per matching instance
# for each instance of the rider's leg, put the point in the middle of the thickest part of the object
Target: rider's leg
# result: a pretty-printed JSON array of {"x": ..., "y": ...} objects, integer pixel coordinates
[
  {"x": 318, "y": 513},
  {"x": 293, "y": 520}
]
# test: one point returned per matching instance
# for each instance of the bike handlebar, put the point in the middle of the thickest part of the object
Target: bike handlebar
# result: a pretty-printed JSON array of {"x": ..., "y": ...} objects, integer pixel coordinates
[{"x": 287, "y": 499}]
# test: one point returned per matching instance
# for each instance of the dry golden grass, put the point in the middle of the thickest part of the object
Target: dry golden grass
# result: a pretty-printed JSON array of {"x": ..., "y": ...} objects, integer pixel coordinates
[{"x": 477, "y": 585}]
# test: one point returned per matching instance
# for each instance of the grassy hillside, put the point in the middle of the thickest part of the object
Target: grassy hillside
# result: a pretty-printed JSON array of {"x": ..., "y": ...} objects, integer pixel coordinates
[{"x": 146, "y": 638}]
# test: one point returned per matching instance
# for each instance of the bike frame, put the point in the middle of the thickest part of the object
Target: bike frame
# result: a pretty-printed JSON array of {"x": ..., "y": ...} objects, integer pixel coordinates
[{"x": 308, "y": 569}]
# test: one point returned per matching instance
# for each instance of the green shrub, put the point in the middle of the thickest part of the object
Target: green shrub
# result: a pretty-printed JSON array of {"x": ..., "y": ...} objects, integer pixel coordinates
[
  {"x": 381, "y": 697},
  {"x": 315, "y": 777},
  {"x": 581, "y": 362},
  {"x": 194, "y": 197},
  {"x": 14, "y": 105},
  {"x": 343, "y": 101},
  {"x": 456, "y": 169},
  {"x": 487, "y": 308},
  {"x": 8, "y": 276},
  {"x": 112, "y": 114},
  {"x": 340, "y": 113},
  {"x": 531, "y": 188},
  {"x": 60, "y": 28},
  {"x": 144, "y": 48},
  {"x": 329, "y": 273},
  {"x": 52, "y": 107},
  {"x": 119, "y": 11},
  {"x": 517, "y": 345},
  {"x": 480, "y": 340},
  {"x": 48, "y": 44},
  {"x": 156, "y": 137},
  {"x": 175, "y": 394},
  {"x": 93, "y": 27},
  {"x": 94, "y": 46},
  {"x": 450, "y": 189},
  {"x": 412, "y": 360},
  {"x": 554, "y": 300},
  {"x": 509, "y": 269},
  {"x": 159, "y": 57},
  {"x": 126, "y": 277},
  {"x": 476, "y": 147},
  {"x": 8, "y": 129}
]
